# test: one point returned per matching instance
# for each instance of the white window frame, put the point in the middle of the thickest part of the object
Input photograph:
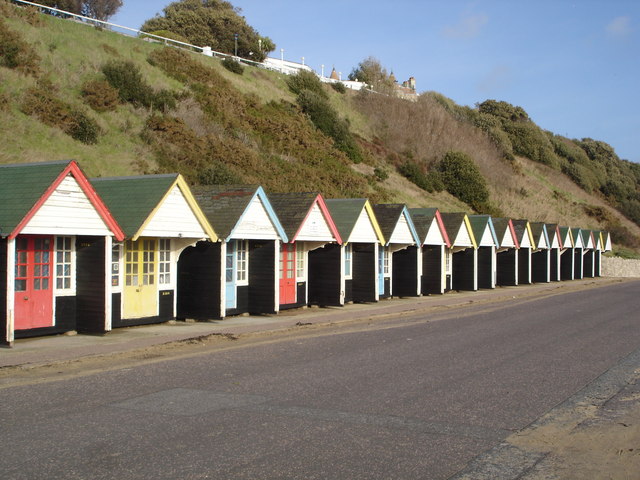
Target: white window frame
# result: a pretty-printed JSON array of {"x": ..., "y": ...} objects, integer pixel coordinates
[
  {"x": 301, "y": 262},
  {"x": 164, "y": 262},
  {"x": 242, "y": 262},
  {"x": 116, "y": 266},
  {"x": 447, "y": 261},
  {"x": 69, "y": 261},
  {"x": 385, "y": 262},
  {"x": 348, "y": 262}
]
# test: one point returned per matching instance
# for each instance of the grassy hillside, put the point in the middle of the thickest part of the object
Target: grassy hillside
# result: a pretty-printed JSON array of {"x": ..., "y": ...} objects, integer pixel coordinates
[{"x": 122, "y": 105}]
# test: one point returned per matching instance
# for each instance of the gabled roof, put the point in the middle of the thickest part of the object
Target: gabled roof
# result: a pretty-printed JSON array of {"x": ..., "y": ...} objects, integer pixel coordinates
[
  {"x": 453, "y": 222},
  {"x": 479, "y": 223},
  {"x": 225, "y": 205},
  {"x": 587, "y": 238},
  {"x": 553, "y": 231},
  {"x": 564, "y": 233},
  {"x": 501, "y": 226},
  {"x": 293, "y": 209},
  {"x": 576, "y": 233},
  {"x": 388, "y": 216},
  {"x": 539, "y": 232},
  {"x": 24, "y": 188},
  {"x": 134, "y": 199},
  {"x": 606, "y": 238},
  {"x": 345, "y": 213},
  {"x": 422, "y": 220},
  {"x": 522, "y": 229}
]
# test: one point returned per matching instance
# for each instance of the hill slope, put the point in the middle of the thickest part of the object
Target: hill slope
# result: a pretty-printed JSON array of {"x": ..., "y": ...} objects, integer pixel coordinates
[{"x": 177, "y": 111}]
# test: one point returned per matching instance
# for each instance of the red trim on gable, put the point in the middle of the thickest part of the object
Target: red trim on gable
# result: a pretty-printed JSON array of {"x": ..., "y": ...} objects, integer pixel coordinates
[
  {"x": 327, "y": 216},
  {"x": 513, "y": 234},
  {"x": 88, "y": 190},
  {"x": 443, "y": 230}
]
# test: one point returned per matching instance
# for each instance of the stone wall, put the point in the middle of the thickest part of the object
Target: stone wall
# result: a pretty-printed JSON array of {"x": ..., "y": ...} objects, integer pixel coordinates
[{"x": 620, "y": 267}]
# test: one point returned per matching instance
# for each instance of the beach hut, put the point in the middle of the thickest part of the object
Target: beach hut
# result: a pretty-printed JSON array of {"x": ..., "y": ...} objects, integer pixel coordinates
[
  {"x": 435, "y": 247},
  {"x": 399, "y": 256},
  {"x": 578, "y": 253},
  {"x": 488, "y": 243},
  {"x": 567, "y": 257},
  {"x": 555, "y": 242},
  {"x": 541, "y": 254},
  {"x": 606, "y": 241},
  {"x": 463, "y": 253},
  {"x": 310, "y": 261},
  {"x": 55, "y": 242},
  {"x": 525, "y": 239},
  {"x": 239, "y": 274},
  {"x": 588, "y": 254},
  {"x": 599, "y": 240},
  {"x": 160, "y": 219},
  {"x": 507, "y": 253},
  {"x": 362, "y": 237}
]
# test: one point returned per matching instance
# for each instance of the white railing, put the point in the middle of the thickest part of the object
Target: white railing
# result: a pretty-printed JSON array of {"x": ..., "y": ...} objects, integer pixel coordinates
[{"x": 278, "y": 65}]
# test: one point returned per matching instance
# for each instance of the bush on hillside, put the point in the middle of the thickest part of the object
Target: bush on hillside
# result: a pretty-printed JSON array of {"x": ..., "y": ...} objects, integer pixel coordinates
[
  {"x": 42, "y": 103},
  {"x": 4, "y": 102},
  {"x": 462, "y": 179},
  {"x": 430, "y": 181},
  {"x": 503, "y": 110},
  {"x": 16, "y": 53},
  {"x": 326, "y": 119},
  {"x": 100, "y": 95},
  {"x": 529, "y": 141},
  {"x": 339, "y": 87},
  {"x": 126, "y": 78},
  {"x": 233, "y": 65},
  {"x": 304, "y": 80}
]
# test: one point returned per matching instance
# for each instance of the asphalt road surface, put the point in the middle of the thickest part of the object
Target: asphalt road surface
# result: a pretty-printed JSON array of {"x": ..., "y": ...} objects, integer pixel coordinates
[{"x": 401, "y": 398}]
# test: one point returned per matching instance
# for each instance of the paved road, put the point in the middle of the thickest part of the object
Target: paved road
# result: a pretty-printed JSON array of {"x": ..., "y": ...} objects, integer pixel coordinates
[{"x": 404, "y": 398}]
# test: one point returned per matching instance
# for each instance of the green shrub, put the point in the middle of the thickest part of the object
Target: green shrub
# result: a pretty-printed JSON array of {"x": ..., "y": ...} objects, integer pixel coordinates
[
  {"x": 326, "y": 119},
  {"x": 581, "y": 175},
  {"x": 233, "y": 65},
  {"x": 380, "y": 174},
  {"x": 125, "y": 77},
  {"x": 100, "y": 95},
  {"x": 305, "y": 80},
  {"x": 4, "y": 102},
  {"x": 16, "y": 53},
  {"x": 163, "y": 100},
  {"x": 529, "y": 141},
  {"x": 339, "y": 87},
  {"x": 503, "y": 110},
  {"x": 430, "y": 181},
  {"x": 217, "y": 173},
  {"x": 42, "y": 103},
  {"x": 462, "y": 179}
]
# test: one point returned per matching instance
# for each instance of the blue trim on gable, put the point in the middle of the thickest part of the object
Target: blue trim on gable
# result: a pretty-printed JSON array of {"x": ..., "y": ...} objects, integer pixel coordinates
[
  {"x": 493, "y": 232},
  {"x": 272, "y": 215},
  {"x": 414, "y": 233}
]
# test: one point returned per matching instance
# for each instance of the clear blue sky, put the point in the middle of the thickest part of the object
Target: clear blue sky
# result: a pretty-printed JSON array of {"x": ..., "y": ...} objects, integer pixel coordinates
[{"x": 574, "y": 66}]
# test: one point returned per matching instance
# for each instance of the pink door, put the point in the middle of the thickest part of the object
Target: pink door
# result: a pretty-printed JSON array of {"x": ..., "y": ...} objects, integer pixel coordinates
[
  {"x": 288, "y": 274},
  {"x": 33, "y": 284}
]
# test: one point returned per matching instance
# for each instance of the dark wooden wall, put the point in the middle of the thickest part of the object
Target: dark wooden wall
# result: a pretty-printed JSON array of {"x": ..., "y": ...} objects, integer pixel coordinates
[
  {"x": 524, "y": 266},
  {"x": 462, "y": 270},
  {"x": 91, "y": 279},
  {"x": 578, "y": 270},
  {"x": 4, "y": 340},
  {"x": 365, "y": 272},
  {"x": 539, "y": 266},
  {"x": 199, "y": 282},
  {"x": 566, "y": 265},
  {"x": 485, "y": 270},
  {"x": 553, "y": 265},
  {"x": 262, "y": 276},
  {"x": 506, "y": 264},
  {"x": 324, "y": 275},
  {"x": 432, "y": 269},
  {"x": 405, "y": 272}
]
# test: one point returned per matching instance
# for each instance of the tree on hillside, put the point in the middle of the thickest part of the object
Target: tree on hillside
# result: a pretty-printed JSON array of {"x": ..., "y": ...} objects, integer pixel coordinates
[
  {"x": 213, "y": 23},
  {"x": 98, "y": 9},
  {"x": 371, "y": 72}
]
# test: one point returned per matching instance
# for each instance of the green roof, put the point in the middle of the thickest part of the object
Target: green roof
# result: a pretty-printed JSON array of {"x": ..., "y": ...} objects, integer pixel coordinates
[
  {"x": 21, "y": 186},
  {"x": 132, "y": 199},
  {"x": 345, "y": 213},
  {"x": 422, "y": 219}
]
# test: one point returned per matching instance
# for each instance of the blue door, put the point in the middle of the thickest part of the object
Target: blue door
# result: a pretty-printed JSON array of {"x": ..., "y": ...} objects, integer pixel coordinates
[
  {"x": 230, "y": 275},
  {"x": 381, "y": 262}
]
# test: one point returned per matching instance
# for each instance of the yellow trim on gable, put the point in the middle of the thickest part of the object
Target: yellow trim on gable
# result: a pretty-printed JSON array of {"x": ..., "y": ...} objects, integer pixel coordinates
[
  {"x": 533, "y": 242},
  {"x": 191, "y": 201},
  {"x": 467, "y": 223},
  {"x": 374, "y": 222}
]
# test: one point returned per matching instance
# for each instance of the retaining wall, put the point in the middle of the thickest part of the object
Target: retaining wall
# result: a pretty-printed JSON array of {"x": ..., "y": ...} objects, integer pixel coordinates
[{"x": 620, "y": 267}]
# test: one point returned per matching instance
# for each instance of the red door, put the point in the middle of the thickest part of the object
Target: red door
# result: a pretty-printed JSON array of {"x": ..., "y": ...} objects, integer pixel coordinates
[
  {"x": 288, "y": 274},
  {"x": 33, "y": 286}
]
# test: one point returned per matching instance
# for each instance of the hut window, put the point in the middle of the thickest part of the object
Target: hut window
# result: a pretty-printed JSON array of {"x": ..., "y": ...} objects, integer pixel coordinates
[
  {"x": 300, "y": 266},
  {"x": 21, "y": 264},
  {"x": 115, "y": 264},
  {"x": 242, "y": 264},
  {"x": 347, "y": 260},
  {"x": 386, "y": 261},
  {"x": 164, "y": 261},
  {"x": 148, "y": 262},
  {"x": 140, "y": 262},
  {"x": 63, "y": 263},
  {"x": 447, "y": 259}
]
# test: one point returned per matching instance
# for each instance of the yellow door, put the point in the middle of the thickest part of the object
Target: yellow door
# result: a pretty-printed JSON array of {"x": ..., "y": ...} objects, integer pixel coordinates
[{"x": 140, "y": 291}]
